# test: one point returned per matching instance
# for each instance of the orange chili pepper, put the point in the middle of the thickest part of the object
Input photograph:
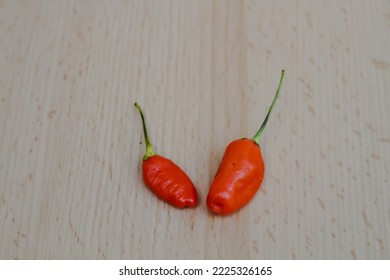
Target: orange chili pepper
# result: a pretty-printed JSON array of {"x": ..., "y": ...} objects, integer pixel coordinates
[
  {"x": 240, "y": 173},
  {"x": 165, "y": 178}
]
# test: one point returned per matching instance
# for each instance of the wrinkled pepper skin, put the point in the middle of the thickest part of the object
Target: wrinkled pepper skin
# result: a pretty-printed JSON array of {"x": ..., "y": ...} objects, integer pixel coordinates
[
  {"x": 238, "y": 178},
  {"x": 169, "y": 182}
]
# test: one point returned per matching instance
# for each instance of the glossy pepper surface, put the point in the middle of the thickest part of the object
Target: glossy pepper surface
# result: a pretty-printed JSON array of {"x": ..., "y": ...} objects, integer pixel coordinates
[
  {"x": 164, "y": 178},
  {"x": 240, "y": 173}
]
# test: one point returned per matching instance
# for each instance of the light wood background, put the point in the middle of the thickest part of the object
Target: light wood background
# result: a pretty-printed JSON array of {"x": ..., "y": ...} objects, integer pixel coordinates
[{"x": 205, "y": 73}]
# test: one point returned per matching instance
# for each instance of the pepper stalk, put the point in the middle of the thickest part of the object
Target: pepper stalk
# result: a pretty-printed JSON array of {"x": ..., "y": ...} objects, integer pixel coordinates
[
  {"x": 149, "y": 148},
  {"x": 258, "y": 134}
]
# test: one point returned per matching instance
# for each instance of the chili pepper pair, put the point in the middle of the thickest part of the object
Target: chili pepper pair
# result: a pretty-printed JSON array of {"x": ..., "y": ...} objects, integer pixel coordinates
[{"x": 238, "y": 178}]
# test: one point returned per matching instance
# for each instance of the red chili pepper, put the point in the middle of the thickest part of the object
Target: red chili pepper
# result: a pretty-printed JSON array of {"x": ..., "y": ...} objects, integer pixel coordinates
[
  {"x": 240, "y": 173},
  {"x": 165, "y": 178}
]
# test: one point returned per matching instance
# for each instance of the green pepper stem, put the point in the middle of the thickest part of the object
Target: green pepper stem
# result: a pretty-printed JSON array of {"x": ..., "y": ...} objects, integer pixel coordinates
[
  {"x": 257, "y": 136},
  {"x": 149, "y": 148}
]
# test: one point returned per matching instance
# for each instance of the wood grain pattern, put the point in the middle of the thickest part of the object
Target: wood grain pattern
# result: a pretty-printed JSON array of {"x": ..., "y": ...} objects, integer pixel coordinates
[{"x": 205, "y": 73}]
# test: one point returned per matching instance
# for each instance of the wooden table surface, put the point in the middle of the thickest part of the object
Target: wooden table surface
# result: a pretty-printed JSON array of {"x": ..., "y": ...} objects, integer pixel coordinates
[{"x": 205, "y": 73}]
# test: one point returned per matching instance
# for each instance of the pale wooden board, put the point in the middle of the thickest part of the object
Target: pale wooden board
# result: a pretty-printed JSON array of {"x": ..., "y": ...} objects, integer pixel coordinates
[{"x": 205, "y": 73}]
